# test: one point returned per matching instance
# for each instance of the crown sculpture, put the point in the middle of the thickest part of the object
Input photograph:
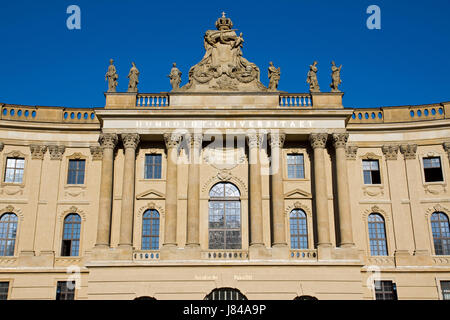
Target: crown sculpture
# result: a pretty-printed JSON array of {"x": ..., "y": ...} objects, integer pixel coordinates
[{"x": 223, "y": 68}]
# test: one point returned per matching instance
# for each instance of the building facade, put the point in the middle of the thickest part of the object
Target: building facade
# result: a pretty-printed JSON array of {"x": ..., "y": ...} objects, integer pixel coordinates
[{"x": 224, "y": 189}]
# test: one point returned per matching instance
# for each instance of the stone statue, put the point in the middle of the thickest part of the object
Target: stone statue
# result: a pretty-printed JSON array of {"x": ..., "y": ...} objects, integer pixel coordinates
[
  {"x": 274, "y": 77},
  {"x": 134, "y": 79},
  {"x": 312, "y": 78},
  {"x": 335, "y": 77},
  {"x": 111, "y": 76},
  {"x": 223, "y": 68},
  {"x": 175, "y": 77}
]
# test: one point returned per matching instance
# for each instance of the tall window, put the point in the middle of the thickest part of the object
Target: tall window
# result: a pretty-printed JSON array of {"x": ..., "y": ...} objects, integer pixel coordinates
[
  {"x": 150, "y": 230},
  {"x": 4, "y": 288},
  {"x": 441, "y": 233},
  {"x": 75, "y": 174},
  {"x": 14, "y": 170},
  {"x": 432, "y": 169},
  {"x": 65, "y": 290},
  {"x": 299, "y": 229},
  {"x": 224, "y": 217},
  {"x": 385, "y": 290},
  {"x": 371, "y": 172},
  {"x": 445, "y": 287},
  {"x": 152, "y": 166},
  {"x": 225, "y": 294},
  {"x": 295, "y": 166},
  {"x": 8, "y": 232},
  {"x": 377, "y": 235},
  {"x": 71, "y": 235}
]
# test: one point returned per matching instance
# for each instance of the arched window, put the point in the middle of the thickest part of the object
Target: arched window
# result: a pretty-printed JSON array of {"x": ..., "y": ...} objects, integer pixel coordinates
[
  {"x": 224, "y": 217},
  {"x": 225, "y": 294},
  {"x": 305, "y": 298},
  {"x": 377, "y": 235},
  {"x": 71, "y": 235},
  {"x": 8, "y": 232},
  {"x": 441, "y": 233},
  {"x": 299, "y": 229},
  {"x": 150, "y": 230}
]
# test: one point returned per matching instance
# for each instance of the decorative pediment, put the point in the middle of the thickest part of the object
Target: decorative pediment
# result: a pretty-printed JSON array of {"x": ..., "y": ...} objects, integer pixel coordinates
[
  {"x": 150, "y": 195},
  {"x": 297, "y": 194}
]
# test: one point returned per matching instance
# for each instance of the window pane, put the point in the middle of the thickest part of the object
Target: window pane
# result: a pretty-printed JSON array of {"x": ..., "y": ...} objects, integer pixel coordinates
[{"x": 152, "y": 168}]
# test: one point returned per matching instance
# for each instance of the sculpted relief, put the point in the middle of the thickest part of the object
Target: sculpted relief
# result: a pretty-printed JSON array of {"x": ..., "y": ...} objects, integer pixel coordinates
[{"x": 223, "y": 68}]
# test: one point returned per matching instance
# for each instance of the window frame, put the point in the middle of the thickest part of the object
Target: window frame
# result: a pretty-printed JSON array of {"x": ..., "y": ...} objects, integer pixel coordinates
[
  {"x": 71, "y": 244},
  {"x": 151, "y": 236},
  {"x": 433, "y": 156},
  {"x": 14, "y": 154},
  {"x": 371, "y": 172},
  {"x": 306, "y": 163},
  {"x": 307, "y": 235},
  {"x": 69, "y": 160},
  {"x": 8, "y": 292},
  {"x": 66, "y": 282},
  {"x": 432, "y": 234},
  {"x": 302, "y": 155},
  {"x": 394, "y": 286},
  {"x": 9, "y": 239},
  {"x": 378, "y": 239},
  {"x": 153, "y": 165}
]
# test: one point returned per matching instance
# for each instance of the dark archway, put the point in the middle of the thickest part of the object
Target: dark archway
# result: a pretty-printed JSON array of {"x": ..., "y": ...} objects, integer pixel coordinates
[
  {"x": 310, "y": 298},
  {"x": 225, "y": 294}
]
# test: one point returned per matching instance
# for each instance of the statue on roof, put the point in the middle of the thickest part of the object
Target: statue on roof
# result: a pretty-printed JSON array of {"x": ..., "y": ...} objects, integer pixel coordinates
[
  {"x": 111, "y": 76},
  {"x": 274, "y": 77},
  {"x": 335, "y": 77},
  {"x": 175, "y": 77},
  {"x": 223, "y": 68},
  {"x": 133, "y": 75},
  {"x": 312, "y": 78}
]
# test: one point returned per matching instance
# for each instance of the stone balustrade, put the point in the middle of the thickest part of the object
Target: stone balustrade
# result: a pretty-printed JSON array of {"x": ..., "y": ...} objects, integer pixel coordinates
[
  {"x": 295, "y": 100},
  {"x": 225, "y": 254},
  {"x": 145, "y": 255},
  {"x": 303, "y": 254},
  {"x": 401, "y": 114},
  {"x": 152, "y": 100}
]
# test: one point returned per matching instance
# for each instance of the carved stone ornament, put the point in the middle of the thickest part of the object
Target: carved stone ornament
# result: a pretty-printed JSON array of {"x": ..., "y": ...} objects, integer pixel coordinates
[
  {"x": 130, "y": 140},
  {"x": 447, "y": 148},
  {"x": 96, "y": 152},
  {"x": 37, "y": 151},
  {"x": 274, "y": 77},
  {"x": 108, "y": 140},
  {"x": 111, "y": 76},
  {"x": 318, "y": 140},
  {"x": 340, "y": 140},
  {"x": 172, "y": 140},
  {"x": 56, "y": 152},
  {"x": 195, "y": 140},
  {"x": 175, "y": 77},
  {"x": 133, "y": 75},
  {"x": 409, "y": 151},
  {"x": 254, "y": 140},
  {"x": 223, "y": 68},
  {"x": 390, "y": 151},
  {"x": 277, "y": 140},
  {"x": 351, "y": 152}
]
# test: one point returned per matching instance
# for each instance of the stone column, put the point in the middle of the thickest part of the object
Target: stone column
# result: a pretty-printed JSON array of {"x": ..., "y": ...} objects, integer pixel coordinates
[
  {"x": 108, "y": 142},
  {"x": 256, "y": 232},
  {"x": 277, "y": 191},
  {"x": 193, "y": 205},
  {"x": 318, "y": 142},
  {"x": 343, "y": 194},
  {"x": 130, "y": 143},
  {"x": 172, "y": 141}
]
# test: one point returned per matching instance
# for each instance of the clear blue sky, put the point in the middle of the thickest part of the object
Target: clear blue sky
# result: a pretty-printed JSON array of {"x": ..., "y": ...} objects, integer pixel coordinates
[{"x": 44, "y": 63}]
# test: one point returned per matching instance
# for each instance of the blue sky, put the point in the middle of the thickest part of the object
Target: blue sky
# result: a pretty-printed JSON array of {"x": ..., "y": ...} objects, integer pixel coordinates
[{"x": 44, "y": 63}]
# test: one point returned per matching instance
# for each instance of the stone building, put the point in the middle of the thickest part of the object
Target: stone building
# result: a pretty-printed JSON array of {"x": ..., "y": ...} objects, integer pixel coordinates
[{"x": 224, "y": 189}]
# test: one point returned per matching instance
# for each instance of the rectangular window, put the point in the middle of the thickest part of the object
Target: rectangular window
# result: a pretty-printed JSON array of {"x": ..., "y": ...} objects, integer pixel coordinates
[
  {"x": 4, "y": 287},
  {"x": 152, "y": 168},
  {"x": 14, "y": 170},
  {"x": 75, "y": 174},
  {"x": 371, "y": 172},
  {"x": 295, "y": 166},
  {"x": 433, "y": 170},
  {"x": 445, "y": 287},
  {"x": 65, "y": 290},
  {"x": 385, "y": 290}
]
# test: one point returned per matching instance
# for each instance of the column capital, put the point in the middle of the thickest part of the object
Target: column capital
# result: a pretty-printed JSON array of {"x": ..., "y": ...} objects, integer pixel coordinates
[
  {"x": 130, "y": 140},
  {"x": 350, "y": 152},
  {"x": 56, "y": 152},
  {"x": 340, "y": 140},
  {"x": 390, "y": 151},
  {"x": 108, "y": 140},
  {"x": 96, "y": 152},
  {"x": 409, "y": 151},
  {"x": 172, "y": 140},
  {"x": 254, "y": 140},
  {"x": 195, "y": 139},
  {"x": 318, "y": 140},
  {"x": 38, "y": 151},
  {"x": 277, "y": 140}
]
